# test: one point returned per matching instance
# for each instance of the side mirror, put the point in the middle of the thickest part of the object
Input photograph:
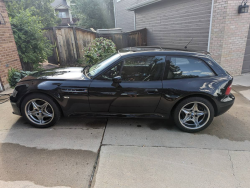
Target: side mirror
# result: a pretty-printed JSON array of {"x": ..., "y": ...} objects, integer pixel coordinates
[{"x": 117, "y": 79}]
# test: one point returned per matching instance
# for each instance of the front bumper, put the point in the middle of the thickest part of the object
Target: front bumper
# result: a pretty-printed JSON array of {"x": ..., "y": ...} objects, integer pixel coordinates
[
  {"x": 225, "y": 104},
  {"x": 16, "y": 109}
]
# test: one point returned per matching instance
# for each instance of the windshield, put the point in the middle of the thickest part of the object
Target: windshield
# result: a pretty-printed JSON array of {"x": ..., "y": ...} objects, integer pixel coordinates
[{"x": 95, "y": 69}]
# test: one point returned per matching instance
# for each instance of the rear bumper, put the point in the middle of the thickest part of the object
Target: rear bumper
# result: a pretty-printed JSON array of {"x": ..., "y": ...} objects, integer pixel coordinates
[{"x": 225, "y": 104}]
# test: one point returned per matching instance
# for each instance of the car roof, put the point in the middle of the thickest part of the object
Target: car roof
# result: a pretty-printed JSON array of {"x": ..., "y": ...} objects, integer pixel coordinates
[
  {"x": 154, "y": 51},
  {"x": 148, "y": 50}
]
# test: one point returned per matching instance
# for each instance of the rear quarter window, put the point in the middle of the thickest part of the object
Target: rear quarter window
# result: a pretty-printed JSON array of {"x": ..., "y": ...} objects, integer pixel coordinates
[{"x": 187, "y": 67}]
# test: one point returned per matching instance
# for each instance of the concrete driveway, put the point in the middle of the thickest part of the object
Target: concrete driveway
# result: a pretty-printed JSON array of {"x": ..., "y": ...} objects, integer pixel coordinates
[
  {"x": 125, "y": 153},
  {"x": 153, "y": 153},
  {"x": 62, "y": 156}
]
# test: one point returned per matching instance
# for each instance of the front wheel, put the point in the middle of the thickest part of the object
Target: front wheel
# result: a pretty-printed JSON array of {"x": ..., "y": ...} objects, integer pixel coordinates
[
  {"x": 40, "y": 110},
  {"x": 193, "y": 114}
]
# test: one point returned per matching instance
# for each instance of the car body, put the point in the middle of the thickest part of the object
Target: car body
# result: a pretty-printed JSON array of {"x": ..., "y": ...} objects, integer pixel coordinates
[{"x": 144, "y": 83}]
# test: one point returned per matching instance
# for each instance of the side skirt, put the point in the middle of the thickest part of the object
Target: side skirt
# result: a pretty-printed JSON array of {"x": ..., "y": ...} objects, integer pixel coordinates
[{"x": 119, "y": 115}]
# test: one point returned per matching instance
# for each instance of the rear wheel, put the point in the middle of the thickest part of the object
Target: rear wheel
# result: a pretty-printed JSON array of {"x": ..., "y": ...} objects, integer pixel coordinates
[
  {"x": 40, "y": 110},
  {"x": 193, "y": 114}
]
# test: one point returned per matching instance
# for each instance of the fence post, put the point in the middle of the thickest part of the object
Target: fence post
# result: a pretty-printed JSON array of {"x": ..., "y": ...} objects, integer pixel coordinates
[
  {"x": 145, "y": 33},
  {"x": 125, "y": 40},
  {"x": 76, "y": 43},
  {"x": 59, "y": 50}
]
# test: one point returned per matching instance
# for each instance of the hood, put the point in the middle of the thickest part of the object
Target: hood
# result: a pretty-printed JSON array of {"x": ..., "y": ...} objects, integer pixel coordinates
[{"x": 70, "y": 73}]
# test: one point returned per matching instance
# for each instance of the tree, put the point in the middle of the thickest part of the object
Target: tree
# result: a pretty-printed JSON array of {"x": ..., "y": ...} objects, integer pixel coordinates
[
  {"x": 95, "y": 14},
  {"x": 33, "y": 47},
  {"x": 39, "y": 8}
]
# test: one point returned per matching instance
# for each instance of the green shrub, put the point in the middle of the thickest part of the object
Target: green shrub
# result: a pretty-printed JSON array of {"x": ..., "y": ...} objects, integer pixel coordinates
[
  {"x": 15, "y": 75},
  {"x": 33, "y": 47},
  {"x": 80, "y": 62},
  {"x": 99, "y": 49}
]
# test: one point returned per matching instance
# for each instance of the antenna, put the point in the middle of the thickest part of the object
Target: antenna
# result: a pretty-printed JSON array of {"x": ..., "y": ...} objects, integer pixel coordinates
[{"x": 188, "y": 43}]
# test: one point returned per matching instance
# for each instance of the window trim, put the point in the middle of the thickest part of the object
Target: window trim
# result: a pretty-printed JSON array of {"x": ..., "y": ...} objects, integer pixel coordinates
[
  {"x": 130, "y": 57},
  {"x": 109, "y": 68},
  {"x": 165, "y": 77}
]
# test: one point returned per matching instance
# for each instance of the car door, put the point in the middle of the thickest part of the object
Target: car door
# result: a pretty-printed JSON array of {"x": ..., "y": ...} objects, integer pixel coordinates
[{"x": 139, "y": 90}]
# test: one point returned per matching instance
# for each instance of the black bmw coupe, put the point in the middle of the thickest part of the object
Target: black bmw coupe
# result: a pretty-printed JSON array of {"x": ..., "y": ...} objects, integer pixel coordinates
[{"x": 189, "y": 87}]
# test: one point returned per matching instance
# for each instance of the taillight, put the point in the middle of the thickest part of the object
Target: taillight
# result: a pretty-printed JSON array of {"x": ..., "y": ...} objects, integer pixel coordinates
[{"x": 228, "y": 91}]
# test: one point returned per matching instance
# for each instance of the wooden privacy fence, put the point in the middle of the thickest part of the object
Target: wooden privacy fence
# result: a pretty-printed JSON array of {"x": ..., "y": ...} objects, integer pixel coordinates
[
  {"x": 69, "y": 42},
  {"x": 128, "y": 39}
]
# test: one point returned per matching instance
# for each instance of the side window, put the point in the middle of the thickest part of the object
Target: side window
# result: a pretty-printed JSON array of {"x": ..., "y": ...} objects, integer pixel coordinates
[
  {"x": 187, "y": 67},
  {"x": 113, "y": 72},
  {"x": 143, "y": 68}
]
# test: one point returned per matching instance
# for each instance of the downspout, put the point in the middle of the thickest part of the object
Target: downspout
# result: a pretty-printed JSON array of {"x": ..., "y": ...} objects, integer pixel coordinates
[
  {"x": 1, "y": 87},
  {"x": 134, "y": 20},
  {"x": 70, "y": 16},
  {"x": 114, "y": 13},
  {"x": 210, "y": 27}
]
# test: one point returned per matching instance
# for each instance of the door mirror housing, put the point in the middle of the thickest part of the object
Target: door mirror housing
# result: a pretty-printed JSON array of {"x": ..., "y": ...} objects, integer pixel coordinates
[{"x": 117, "y": 79}]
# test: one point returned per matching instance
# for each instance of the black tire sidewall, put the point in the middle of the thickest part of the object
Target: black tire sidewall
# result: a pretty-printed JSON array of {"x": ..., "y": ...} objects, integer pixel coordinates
[
  {"x": 189, "y": 100},
  {"x": 57, "y": 113}
]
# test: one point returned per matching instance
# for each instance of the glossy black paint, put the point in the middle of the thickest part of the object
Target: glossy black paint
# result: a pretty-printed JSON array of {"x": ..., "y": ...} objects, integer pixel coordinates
[
  {"x": 127, "y": 97},
  {"x": 79, "y": 95}
]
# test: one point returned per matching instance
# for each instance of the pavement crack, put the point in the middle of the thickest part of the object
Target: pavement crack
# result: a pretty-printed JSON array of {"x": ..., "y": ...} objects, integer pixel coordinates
[
  {"x": 232, "y": 166},
  {"x": 170, "y": 147},
  {"x": 97, "y": 159}
]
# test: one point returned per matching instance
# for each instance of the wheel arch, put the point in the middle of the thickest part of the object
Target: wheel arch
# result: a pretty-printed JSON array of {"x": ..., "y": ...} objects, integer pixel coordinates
[
  {"x": 197, "y": 95},
  {"x": 35, "y": 92}
]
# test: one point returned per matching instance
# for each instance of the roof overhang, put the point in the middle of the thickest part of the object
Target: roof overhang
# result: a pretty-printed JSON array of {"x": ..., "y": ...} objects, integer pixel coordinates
[
  {"x": 61, "y": 6},
  {"x": 143, "y": 4}
]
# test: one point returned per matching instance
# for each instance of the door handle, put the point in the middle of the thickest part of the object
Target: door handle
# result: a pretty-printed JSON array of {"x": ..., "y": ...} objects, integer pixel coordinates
[{"x": 152, "y": 91}]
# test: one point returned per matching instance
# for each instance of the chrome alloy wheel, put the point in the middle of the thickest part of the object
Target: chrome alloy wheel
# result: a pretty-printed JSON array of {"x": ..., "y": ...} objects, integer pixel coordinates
[
  {"x": 194, "y": 115},
  {"x": 39, "y": 111}
]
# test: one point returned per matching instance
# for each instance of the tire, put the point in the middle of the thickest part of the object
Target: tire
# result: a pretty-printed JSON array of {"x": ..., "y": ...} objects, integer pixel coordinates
[
  {"x": 40, "y": 110},
  {"x": 188, "y": 116}
]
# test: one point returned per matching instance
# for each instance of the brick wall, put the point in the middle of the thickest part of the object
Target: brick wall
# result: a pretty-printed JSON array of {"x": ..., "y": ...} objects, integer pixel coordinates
[
  {"x": 229, "y": 35},
  {"x": 8, "y": 50}
]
